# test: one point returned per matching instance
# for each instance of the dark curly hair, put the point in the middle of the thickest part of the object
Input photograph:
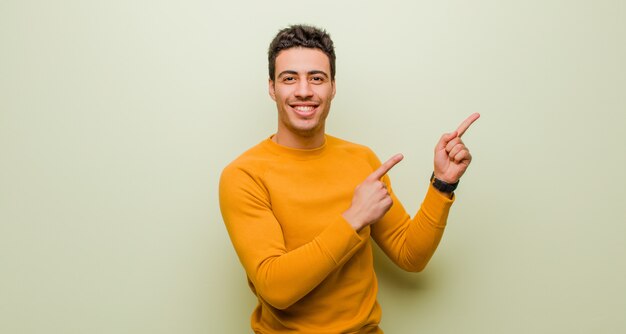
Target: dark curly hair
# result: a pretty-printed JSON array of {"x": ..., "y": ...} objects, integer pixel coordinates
[{"x": 301, "y": 36}]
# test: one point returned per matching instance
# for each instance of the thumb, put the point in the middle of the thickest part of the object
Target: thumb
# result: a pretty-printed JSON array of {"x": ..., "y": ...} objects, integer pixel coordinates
[{"x": 445, "y": 138}]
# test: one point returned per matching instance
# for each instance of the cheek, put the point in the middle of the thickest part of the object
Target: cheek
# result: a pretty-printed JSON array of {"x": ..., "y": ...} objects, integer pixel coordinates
[
  {"x": 281, "y": 95},
  {"x": 326, "y": 94}
]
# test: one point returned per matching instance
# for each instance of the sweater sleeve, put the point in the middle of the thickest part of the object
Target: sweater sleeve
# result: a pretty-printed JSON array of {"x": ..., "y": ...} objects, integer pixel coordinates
[
  {"x": 410, "y": 243},
  {"x": 280, "y": 277}
]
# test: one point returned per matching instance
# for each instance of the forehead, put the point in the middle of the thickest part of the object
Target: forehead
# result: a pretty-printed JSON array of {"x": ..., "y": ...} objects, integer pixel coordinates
[{"x": 303, "y": 60}]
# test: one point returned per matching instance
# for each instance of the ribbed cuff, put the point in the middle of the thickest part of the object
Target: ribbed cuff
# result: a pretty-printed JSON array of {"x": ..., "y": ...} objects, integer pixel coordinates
[{"x": 339, "y": 239}]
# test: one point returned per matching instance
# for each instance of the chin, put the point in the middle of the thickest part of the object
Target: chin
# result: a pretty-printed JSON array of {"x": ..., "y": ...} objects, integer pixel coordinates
[{"x": 306, "y": 131}]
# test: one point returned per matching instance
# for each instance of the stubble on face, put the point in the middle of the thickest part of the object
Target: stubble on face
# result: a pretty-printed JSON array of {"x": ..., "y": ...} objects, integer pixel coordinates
[{"x": 303, "y": 91}]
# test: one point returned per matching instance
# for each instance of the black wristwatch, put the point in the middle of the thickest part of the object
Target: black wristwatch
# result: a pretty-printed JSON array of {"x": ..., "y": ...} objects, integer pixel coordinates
[{"x": 444, "y": 187}]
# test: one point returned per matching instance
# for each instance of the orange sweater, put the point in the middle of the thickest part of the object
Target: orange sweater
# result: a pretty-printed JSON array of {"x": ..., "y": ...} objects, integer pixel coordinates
[{"x": 311, "y": 272}]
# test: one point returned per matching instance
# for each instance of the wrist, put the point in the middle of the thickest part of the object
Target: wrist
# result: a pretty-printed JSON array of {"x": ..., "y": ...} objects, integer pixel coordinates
[
  {"x": 351, "y": 220},
  {"x": 443, "y": 186}
]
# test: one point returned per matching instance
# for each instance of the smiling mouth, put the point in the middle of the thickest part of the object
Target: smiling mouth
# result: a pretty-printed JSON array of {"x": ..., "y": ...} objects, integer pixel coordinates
[{"x": 304, "y": 110}]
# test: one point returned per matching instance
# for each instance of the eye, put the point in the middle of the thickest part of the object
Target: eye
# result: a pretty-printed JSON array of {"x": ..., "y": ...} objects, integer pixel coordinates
[
  {"x": 317, "y": 79},
  {"x": 289, "y": 79}
]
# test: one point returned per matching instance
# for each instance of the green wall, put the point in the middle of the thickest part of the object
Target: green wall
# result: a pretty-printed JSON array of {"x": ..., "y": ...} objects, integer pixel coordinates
[{"x": 116, "y": 118}]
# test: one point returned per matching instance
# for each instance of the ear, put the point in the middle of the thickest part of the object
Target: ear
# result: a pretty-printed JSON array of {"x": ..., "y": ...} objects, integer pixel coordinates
[
  {"x": 272, "y": 92},
  {"x": 334, "y": 89}
]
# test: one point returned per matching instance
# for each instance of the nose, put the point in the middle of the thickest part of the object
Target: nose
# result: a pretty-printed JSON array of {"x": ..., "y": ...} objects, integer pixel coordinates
[{"x": 304, "y": 89}]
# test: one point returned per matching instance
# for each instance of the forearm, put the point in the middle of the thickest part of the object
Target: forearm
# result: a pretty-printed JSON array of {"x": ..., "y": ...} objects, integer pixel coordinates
[
  {"x": 410, "y": 243},
  {"x": 423, "y": 235},
  {"x": 282, "y": 277}
]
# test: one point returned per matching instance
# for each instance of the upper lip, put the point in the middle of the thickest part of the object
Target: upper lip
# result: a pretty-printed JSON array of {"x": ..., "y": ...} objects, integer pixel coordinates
[{"x": 304, "y": 104}]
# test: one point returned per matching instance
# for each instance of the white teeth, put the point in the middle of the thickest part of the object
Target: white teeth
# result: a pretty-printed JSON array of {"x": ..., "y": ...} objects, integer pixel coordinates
[{"x": 304, "y": 108}]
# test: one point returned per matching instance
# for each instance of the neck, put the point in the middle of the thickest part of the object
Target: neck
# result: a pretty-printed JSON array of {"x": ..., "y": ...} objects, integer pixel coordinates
[{"x": 285, "y": 138}]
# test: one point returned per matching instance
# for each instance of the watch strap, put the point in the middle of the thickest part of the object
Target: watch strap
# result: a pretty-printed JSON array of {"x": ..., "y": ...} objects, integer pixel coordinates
[{"x": 443, "y": 186}]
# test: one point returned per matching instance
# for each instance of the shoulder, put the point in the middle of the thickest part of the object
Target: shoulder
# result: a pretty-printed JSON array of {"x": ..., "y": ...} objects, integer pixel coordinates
[
  {"x": 241, "y": 181},
  {"x": 347, "y": 146},
  {"x": 357, "y": 150},
  {"x": 251, "y": 164}
]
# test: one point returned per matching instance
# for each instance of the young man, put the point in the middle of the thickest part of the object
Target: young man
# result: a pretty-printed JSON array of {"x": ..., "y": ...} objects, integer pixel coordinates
[{"x": 301, "y": 206}]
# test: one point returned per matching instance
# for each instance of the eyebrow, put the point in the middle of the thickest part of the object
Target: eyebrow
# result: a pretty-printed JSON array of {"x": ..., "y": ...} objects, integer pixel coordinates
[{"x": 296, "y": 73}]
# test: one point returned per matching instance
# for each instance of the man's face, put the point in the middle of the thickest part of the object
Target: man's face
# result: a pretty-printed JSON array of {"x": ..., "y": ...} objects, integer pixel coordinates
[{"x": 303, "y": 91}]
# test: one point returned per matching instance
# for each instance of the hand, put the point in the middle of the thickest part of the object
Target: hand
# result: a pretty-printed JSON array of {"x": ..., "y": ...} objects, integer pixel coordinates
[
  {"x": 371, "y": 199},
  {"x": 451, "y": 156}
]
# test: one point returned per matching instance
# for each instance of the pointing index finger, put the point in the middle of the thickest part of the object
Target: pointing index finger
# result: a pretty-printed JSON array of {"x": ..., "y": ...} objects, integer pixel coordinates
[
  {"x": 466, "y": 124},
  {"x": 385, "y": 167}
]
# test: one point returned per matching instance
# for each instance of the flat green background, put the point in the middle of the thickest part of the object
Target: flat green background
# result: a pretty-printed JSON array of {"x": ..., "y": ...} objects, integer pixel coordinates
[{"x": 116, "y": 118}]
